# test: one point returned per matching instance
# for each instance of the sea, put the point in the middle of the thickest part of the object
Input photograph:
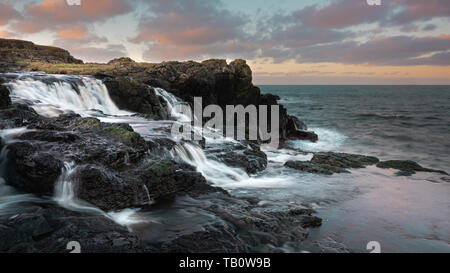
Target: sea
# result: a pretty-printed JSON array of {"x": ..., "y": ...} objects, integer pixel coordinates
[{"x": 402, "y": 214}]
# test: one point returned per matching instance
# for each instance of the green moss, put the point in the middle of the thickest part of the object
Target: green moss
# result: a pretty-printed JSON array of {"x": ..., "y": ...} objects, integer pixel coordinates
[
  {"x": 89, "y": 123},
  {"x": 163, "y": 168},
  {"x": 123, "y": 135}
]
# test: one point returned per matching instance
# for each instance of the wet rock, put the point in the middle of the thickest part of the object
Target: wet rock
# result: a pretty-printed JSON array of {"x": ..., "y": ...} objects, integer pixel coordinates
[
  {"x": 105, "y": 190},
  {"x": 17, "y": 115},
  {"x": 245, "y": 155},
  {"x": 303, "y": 135},
  {"x": 343, "y": 160},
  {"x": 32, "y": 170},
  {"x": 168, "y": 178},
  {"x": 330, "y": 163},
  {"x": 406, "y": 167},
  {"x": 46, "y": 228},
  {"x": 310, "y": 167},
  {"x": 243, "y": 226},
  {"x": 5, "y": 100},
  {"x": 135, "y": 96}
]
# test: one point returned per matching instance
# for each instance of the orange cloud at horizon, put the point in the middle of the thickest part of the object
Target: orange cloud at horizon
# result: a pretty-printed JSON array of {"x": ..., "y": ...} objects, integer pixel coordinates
[{"x": 74, "y": 33}]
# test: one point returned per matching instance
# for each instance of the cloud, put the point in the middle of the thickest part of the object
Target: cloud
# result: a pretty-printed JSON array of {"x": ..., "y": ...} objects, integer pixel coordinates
[
  {"x": 6, "y": 34},
  {"x": 415, "y": 10},
  {"x": 397, "y": 50},
  {"x": 7, "y": 13},
  {"x": 77, "y": 32},
  {"x": 341, "y": 13},
  {"x": 54, "y": 14},
  {"x": 191, "y": 29}
]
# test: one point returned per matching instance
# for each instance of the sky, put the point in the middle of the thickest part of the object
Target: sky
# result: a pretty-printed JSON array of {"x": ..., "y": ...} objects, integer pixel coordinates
[{"x": 284, "y": 41}]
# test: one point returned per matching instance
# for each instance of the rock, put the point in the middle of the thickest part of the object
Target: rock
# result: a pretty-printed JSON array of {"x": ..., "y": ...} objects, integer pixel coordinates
[
  {"x": 122, "y": 61},
  {"x": 135, "y": 96},
  {"x": 168, "y": 178},
  {"x": 248, "y": 157},
  {"x": 46, "y": 228},
  {"x": 330, "y": 163},
  {"x": 406, "y": 167},
  {"x": 17, "y": 115},
  {"x": 310, "y": 167},
  {"x": 14, "y": 53},
  {"x": 343, "y": 160},
  {"x": 294, "y": 124},
  {"x": 303, "y": 135},
  {"x": 105, "y": 190},
  {"x": 5, "y": 100},
  {"x": 32, "y": 170}
]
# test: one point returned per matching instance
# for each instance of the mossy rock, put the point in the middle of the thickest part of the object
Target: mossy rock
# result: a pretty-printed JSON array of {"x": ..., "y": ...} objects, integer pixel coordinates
[
  {"x": 91, "y": 123},
  {"x": 406, "y": 167},
  {"x": 314, "y": 167},
  {"x": 163, "y": 168},
  {"x": 123, "y": 135}
]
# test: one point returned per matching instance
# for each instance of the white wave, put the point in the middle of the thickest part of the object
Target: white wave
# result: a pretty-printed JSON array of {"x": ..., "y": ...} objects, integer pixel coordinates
[{"x": 328, "y": 140}]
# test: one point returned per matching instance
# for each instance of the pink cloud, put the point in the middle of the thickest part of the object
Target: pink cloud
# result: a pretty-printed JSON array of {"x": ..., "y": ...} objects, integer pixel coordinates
[
  {"x": 51, "y": 14},
  {"x": 7, "y": 13}
]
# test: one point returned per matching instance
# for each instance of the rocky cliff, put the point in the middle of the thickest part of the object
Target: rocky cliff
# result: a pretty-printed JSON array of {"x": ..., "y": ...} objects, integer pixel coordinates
[{"x": 17, "y": 54}]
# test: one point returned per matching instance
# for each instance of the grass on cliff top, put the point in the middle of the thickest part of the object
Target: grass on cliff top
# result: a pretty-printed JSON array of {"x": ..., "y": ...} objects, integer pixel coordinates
[{"x": 77, "y": 69}]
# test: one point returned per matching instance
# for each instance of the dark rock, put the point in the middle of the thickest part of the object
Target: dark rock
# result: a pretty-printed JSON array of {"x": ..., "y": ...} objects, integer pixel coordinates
[
  {"x": 303, "y": 135},
  {"x": 5, "y": 100},
  {"x": 168, "y": 178},
  {"x": 245, "y": 155},
  {"x": 46, "y": 228},
  {"x": 105, "y": 190},
  {"x": 17, "y": 115},
  {"x": 330, "y": 163},
  {"x": 135, "y": 96},
  {"x": 406, "y": 167},
  {"x": 310, "y": 167},
  {"x": 343, "y": 160},
  {"x": 32, "y": 170}
]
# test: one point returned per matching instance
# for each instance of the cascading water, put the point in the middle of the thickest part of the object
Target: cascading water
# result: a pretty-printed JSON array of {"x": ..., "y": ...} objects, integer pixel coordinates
[
  {"x": 214, "y": 171},
  {"x": 172, "y": 103},
  {"x": 8, "y": 195},
  {"x": 52, "y": 95},
  {"x": 65, "y": 195}
]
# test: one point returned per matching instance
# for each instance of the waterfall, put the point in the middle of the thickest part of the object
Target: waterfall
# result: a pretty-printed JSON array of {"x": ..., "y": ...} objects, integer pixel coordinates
[
  {"x": 8, "y": 195},
  {"x": 65, "y": 195},
  {"x": 150, "y": 200},
  {"x": 52, "y": 95},
  {"x": 172, "y": 103},
  {"x": 64, "y": 192},
  {"x": 214, "y": 171}
]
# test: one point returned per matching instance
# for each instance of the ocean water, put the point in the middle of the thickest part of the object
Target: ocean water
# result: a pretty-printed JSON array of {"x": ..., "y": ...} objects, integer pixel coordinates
[
  {"x": 391, "y": 122},
  {"x": 402, "y": 214}
]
